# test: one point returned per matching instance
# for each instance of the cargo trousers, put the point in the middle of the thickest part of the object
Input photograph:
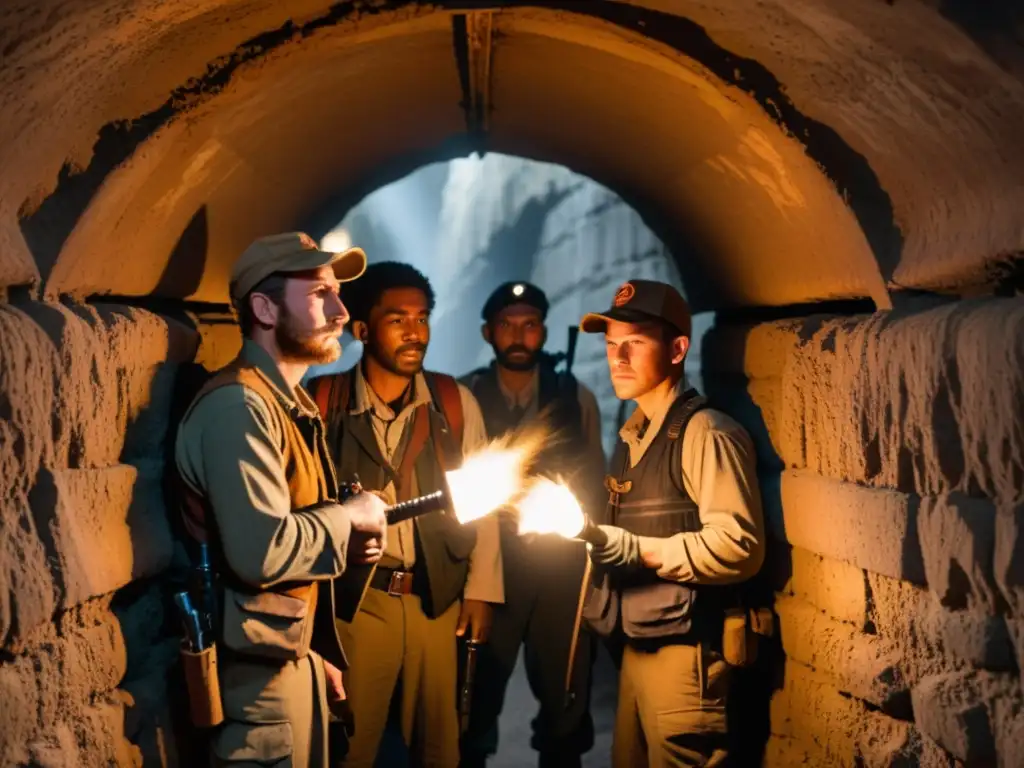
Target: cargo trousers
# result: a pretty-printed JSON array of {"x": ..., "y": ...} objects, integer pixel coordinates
[
  {"x": 396, "y": 651},
  {"x": 275, "y": 714},
  {"x": 671, "y": 709}
]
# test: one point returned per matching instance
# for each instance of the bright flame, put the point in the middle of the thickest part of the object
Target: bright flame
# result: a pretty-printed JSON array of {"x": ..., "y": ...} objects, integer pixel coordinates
[
  {"x": 336, "y": 241},
  {"x": 492, "y": 477},
  {"x": 550, "y": 507}
]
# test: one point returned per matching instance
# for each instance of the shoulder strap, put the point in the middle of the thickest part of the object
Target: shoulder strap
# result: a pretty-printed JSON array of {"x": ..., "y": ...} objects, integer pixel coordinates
[
  {"x": 417, "y": 440},
  {"x": 692, "y": 403},
  {"x": 444, "y": 390}
]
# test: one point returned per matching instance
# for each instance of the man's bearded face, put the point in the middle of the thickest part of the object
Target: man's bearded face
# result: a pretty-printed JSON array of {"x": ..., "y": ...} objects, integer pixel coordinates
[
  {"x": 399, "y": 331},
  {"x": 517, "y": 335},
  {"x": 311, "y": 319}
]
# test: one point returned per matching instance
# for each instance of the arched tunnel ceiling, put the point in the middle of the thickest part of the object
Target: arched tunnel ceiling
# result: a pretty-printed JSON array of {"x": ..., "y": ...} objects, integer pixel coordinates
[{"x": 788, "y": 151}]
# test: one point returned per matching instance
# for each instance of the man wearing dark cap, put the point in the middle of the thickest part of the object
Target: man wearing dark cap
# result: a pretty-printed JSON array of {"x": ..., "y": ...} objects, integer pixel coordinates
[
  {"x": 684, "y": 522},
  {"x": 543, "y": 577},
  {"x": 260, "y": 489}
]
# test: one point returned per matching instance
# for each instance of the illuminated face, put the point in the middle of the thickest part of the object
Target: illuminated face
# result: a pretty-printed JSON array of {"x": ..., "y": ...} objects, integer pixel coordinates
[
  {"x": 310, "y": 318},
  {"x": 517, "y": 335},
  {"x": 641, "y": 356},
  {"x": 398, "y": 331}
]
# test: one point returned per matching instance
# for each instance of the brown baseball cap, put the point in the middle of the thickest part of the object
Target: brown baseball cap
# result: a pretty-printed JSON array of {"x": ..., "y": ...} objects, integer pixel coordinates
[
  {"x": 639, "y": 301},
  {"x": 290, "y": 252}
]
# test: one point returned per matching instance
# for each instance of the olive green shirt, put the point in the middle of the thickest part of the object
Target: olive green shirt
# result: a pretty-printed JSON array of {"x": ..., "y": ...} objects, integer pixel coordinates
[
  {"x": 229, "y": 451},
  {"x": 719, "y": 474}
]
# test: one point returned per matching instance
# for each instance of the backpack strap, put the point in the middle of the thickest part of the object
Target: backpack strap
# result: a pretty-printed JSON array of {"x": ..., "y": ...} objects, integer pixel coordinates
[
  {"x": 693, "y": 402},
  {"x": 330, "y": 392},
  {"x": 444, "y": 390}
]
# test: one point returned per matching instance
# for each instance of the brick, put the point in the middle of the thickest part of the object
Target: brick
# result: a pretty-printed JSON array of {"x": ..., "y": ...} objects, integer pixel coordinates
[
  {"x": 28, "y": 594},
  {"x": 810, "y": 711},
  {"x": 932, "y": 639},
  {"x": 61, "y": 681},
  {"x": 867, "y": 528},
  {"x": 912, "y": 400},
  {"x": 104, "y": 527},
  {"x": 951, "y": 710},
  {"x": 1008, "y": 554},
  {"x": 837, "y": 588},
  {"x": 980, "y": 640},
  {"x": 858, "y": 663},
  {"x": 957, "y": 535}
]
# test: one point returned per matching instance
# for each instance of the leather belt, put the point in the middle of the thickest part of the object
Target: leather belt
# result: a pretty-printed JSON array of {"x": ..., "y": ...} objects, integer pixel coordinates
[{"x": 393, "y": 582}]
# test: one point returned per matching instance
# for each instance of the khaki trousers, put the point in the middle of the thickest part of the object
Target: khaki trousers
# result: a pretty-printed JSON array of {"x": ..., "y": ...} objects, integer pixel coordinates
[
  {"x": 671, "y": 708},
  {"x": 392, "y": 644},
  {"x": 275, "y": 714}
]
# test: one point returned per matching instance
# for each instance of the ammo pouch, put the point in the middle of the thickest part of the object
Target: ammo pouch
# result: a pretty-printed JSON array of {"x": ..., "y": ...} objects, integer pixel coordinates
[
  {"x": 270, "y": 625},
  {"x": 740, "y": 632}
]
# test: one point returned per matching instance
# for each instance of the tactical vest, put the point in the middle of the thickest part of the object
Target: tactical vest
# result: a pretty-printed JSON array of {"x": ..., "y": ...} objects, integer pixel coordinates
[
  {"x": 557, "y": 396},
  {"x": 649, "y": 499},
  {"x": 311, "y": 482},
  {"x": 443, "y": 546}
]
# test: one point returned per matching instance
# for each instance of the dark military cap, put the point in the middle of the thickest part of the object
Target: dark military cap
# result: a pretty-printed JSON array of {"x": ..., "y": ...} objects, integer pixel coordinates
[{"x": 515, "y": 293}]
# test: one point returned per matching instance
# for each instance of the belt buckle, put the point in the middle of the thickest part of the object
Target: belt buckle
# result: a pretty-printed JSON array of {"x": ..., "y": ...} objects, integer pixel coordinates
[{"x": 397, "y": 582}]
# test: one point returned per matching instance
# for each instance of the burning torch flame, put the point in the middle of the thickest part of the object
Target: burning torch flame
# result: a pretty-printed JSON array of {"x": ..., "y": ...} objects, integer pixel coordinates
[
  {"x": 492, "y": 477},
  {"x": 550, "y": 507}
]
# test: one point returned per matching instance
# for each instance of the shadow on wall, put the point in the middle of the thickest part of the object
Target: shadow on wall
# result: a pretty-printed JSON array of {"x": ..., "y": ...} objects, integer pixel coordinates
[
  {"x": 185, "y": 266},
  {"x": 753, "y": 687}
]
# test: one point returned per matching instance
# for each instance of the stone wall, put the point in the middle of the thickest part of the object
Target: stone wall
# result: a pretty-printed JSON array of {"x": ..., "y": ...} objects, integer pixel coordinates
[
  {"x": 891, "y": 448},
  {"x": 87, "y": 394}
]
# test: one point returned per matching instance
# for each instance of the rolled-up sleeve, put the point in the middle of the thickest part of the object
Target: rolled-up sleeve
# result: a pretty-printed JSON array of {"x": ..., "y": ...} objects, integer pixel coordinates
[
  {"x": 485, "y": 581},
  {"x": 720, "y": 474},
  {"x": 230, "y": 451}
]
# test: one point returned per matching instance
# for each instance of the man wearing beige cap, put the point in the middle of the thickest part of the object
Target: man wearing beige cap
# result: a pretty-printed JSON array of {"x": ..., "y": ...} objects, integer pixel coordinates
[
  {"x": 260, "y": 489},
  {"x": 684, "y": 520}
]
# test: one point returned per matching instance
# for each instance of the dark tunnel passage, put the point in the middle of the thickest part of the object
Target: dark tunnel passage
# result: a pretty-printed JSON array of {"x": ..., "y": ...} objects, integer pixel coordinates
[{"x": 835, "y": 186}]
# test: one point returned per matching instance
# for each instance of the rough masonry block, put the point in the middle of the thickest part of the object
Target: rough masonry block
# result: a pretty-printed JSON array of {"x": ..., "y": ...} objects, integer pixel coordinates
[
  {"x": 957, "y": 536},
  {"x": 914, "y": 400},
  {"x": 105, "y": 529},
  {"x": 837, "y": 588},
  {"x": 858, "y": 663},
  {"x": 952, "y": 710},
  {"x": 1008, "y": 554},
  {"x": 809, "y": 710},
  {"x": 868, "y": 528}
]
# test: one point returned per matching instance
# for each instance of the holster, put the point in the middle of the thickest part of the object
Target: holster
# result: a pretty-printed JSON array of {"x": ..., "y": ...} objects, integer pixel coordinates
[
  {"x": 203, "y": 683},
  {"x": 740, "y": 632}
]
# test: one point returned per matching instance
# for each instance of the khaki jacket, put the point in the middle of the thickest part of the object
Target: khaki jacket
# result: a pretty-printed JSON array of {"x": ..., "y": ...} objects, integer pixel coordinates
[{"x": 254, "y": 452}]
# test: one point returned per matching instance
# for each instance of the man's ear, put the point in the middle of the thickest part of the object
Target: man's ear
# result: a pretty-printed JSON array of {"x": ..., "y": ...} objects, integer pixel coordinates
[
  {"x": 360, "y": 331},
  {"x": 485, "y": 331},
  {"x": 680, "y": 345},
  {"x": 264, "y": 309}
]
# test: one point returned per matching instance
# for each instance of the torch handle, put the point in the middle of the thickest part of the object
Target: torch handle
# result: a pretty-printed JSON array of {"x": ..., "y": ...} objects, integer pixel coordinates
[{"x": 421, "y": 505}]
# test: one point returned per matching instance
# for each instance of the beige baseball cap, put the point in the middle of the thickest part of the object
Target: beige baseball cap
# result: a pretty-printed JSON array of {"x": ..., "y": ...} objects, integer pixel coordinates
[{"x": 290, "y": 252}]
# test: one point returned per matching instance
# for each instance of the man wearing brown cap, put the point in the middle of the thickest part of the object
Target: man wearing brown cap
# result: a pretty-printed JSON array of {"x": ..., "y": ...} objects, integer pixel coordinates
[
  {"x": 259, "y": 487},
  {"x": 684, "y": 521}
]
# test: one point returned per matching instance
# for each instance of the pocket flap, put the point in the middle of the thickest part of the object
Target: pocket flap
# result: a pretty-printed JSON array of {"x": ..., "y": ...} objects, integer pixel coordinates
[
  {"x": 265, "y": 743},
  {"x": 273, "y": 604}
]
